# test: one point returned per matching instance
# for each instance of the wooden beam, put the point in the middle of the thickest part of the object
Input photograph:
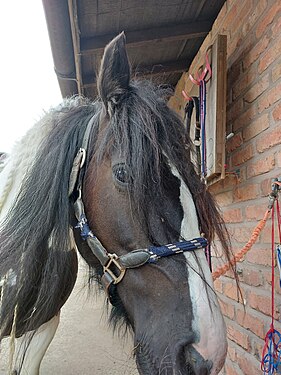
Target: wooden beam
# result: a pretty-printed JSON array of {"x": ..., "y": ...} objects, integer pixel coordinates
[
  {"x": 140, "y": 38},
  {"x": 148, "y": 70},
  {"x": 73, "y": 15}
]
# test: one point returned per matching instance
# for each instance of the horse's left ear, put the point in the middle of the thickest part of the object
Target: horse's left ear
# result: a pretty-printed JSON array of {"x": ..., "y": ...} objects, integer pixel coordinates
[{"x": 114, "y": 76}]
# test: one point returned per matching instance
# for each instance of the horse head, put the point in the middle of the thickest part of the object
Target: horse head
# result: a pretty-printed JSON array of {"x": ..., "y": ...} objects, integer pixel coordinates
[{"x": 139, "y": 191}]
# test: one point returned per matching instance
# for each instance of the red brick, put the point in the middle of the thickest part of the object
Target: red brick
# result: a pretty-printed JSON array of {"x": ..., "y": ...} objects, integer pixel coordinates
[
  {"x": 255, "y": 52},
  {"x": 245, "y": 118},
  {"x": 248, "y": 364},
  {"x": 256, "y": 127},
  {"x": 242, "y": 155},
  {"x": 261, "y": 303},
  {"x": 233, "y": 110},
  {"x": 276, "y": 26},
  {"x": 242, "y": 234},
  {"x": 224, "y": 199},
  {"x": 278, "y": 159},
  {"x": 241, "y": 172},
  {"x": 233, "y": 215},
  {"x": 266, "y": 236},
  {"x": 230, "y": 180},
  {"x": 216, "y": 188},
  {"x": 261, "y": 166},
  {"x": 256, "y": 12},
  {"x": 231, "y": 353},
  {"x": 230, "y": 369},
  {"x": 243, "y": 83},
  {"x": 227, "y": 309},
  {"x": 217, "y": 24},
  {"x": 238, "y": 337},
  {"x": 259, "y": 256},
  {"x": 230, "y": 290},
  {"x": 246, "y": 193},
  {"x": 271, "y": 97},
  {"x": 269, "y": 139},
  {"x": 234, "y": 142},
  {"x": 257, "y": 347},
  {"x": 256, "y": 90},
  {"x": 218, "y": 285},
  {"x": 271, "y": 55},
  {"x": 266, "y": 187},
  {"x": 268, "y": 18},
  {"x": 234, "y": 72},
  {"x": 230, "y": 17},
  {"x": 277, "y": 112},
  {"x": 268, "y": 278},
  {"x": 250, "y": 277},
  {"x": 255, "y": 212},
  {"x": 251, "y": 322},
  {"x": 276, "y": 72}
]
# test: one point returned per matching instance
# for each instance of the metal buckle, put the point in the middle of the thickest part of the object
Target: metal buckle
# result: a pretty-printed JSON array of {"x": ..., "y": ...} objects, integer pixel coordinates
[{"x": 113, "y": 260}]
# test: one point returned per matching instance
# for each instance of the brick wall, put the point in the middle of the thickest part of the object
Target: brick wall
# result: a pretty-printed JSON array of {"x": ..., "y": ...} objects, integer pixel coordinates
[{"x": 253, "y": 28}]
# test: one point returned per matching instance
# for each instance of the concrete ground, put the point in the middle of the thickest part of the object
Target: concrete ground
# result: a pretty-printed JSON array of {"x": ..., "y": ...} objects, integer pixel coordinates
[{"x": 83, "y": 344}]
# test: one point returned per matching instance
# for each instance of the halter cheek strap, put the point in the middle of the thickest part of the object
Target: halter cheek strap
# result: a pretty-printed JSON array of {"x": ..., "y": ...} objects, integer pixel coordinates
[{"x": 114, "y": 266}]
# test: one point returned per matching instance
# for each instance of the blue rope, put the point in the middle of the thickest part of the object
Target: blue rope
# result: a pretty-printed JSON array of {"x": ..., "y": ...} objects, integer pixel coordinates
[
  {"x": 158, "y": 252},
  {"x": 202, "y": 95},
  {"x": 278, "y": 251},
  {"x": 271, "y": 362},
  {"x": 84, "y": 228}
]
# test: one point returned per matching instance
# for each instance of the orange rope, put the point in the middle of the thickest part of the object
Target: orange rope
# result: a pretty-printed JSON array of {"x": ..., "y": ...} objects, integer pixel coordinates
[{"x": 238, "y": 256}]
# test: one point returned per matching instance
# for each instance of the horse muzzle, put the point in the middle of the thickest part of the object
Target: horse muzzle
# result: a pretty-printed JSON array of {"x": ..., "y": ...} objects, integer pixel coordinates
[{"x": 179, "y": 359}]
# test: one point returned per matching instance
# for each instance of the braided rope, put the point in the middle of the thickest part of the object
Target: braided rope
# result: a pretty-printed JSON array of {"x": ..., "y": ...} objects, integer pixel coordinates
[
  {"x": 256, "y": 232},
  {"x": 240, "y": 254}
]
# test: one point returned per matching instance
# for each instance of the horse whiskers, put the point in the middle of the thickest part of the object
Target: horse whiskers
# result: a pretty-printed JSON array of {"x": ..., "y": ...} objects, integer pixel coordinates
[{"x": 164, "y": 364}]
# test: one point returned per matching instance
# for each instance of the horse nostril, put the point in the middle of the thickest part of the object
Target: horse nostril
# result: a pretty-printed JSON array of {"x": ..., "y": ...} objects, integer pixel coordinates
[
  {"x": 200, "y": 366},
  {"x": 190, "y": 362}
]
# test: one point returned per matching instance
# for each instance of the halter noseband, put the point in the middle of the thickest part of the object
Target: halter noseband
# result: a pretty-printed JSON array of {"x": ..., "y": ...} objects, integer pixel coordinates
[{"x": 114, "y": 266}]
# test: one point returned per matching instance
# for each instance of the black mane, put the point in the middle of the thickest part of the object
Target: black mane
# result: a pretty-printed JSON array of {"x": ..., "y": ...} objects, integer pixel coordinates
[{"x": 35, "y": 241}]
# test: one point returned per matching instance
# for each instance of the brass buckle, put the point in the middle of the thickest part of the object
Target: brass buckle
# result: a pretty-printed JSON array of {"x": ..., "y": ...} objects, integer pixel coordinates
[{"x": 113, "y": 260}]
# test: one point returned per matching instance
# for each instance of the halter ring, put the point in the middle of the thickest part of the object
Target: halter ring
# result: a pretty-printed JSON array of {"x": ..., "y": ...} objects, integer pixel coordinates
[{"x": 114, "y": 260}]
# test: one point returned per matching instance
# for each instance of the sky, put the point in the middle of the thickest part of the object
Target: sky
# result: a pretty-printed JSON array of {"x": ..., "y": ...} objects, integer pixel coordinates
[{"x": 28, "y": 82}]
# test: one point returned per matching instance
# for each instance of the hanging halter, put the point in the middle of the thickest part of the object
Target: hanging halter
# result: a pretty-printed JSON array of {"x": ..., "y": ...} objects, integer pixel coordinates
[
  {"x": 114, "y": 266},
  {"x": 271, "y": 354}
]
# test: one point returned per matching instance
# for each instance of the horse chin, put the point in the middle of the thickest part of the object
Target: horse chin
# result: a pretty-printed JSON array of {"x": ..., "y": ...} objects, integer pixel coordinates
[{"x": 182, "y": 359}]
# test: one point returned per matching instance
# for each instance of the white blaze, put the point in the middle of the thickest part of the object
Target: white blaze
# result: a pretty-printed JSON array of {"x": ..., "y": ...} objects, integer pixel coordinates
[{"x": 208, "y": 323}]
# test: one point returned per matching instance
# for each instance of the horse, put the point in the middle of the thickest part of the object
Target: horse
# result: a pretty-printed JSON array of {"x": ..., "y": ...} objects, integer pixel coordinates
[{"x": 113, "y": 180}]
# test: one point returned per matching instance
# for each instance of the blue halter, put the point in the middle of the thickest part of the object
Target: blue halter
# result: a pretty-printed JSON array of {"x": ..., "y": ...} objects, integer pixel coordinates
[{"x": 156, "y": 252}]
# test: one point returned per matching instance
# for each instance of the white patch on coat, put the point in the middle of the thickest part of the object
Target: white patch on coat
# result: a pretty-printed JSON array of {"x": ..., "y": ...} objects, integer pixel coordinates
[
  {"x": 40, "y": 340},
  {"x": 208, "y": 323}
]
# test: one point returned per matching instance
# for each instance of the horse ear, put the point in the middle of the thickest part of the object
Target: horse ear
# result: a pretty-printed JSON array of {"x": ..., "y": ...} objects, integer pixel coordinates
[{"x": 114, "y": 76}]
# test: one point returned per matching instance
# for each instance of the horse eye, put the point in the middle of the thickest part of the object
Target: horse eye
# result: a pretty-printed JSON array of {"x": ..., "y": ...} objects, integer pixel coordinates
[{"x": 121, "y": 174}]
